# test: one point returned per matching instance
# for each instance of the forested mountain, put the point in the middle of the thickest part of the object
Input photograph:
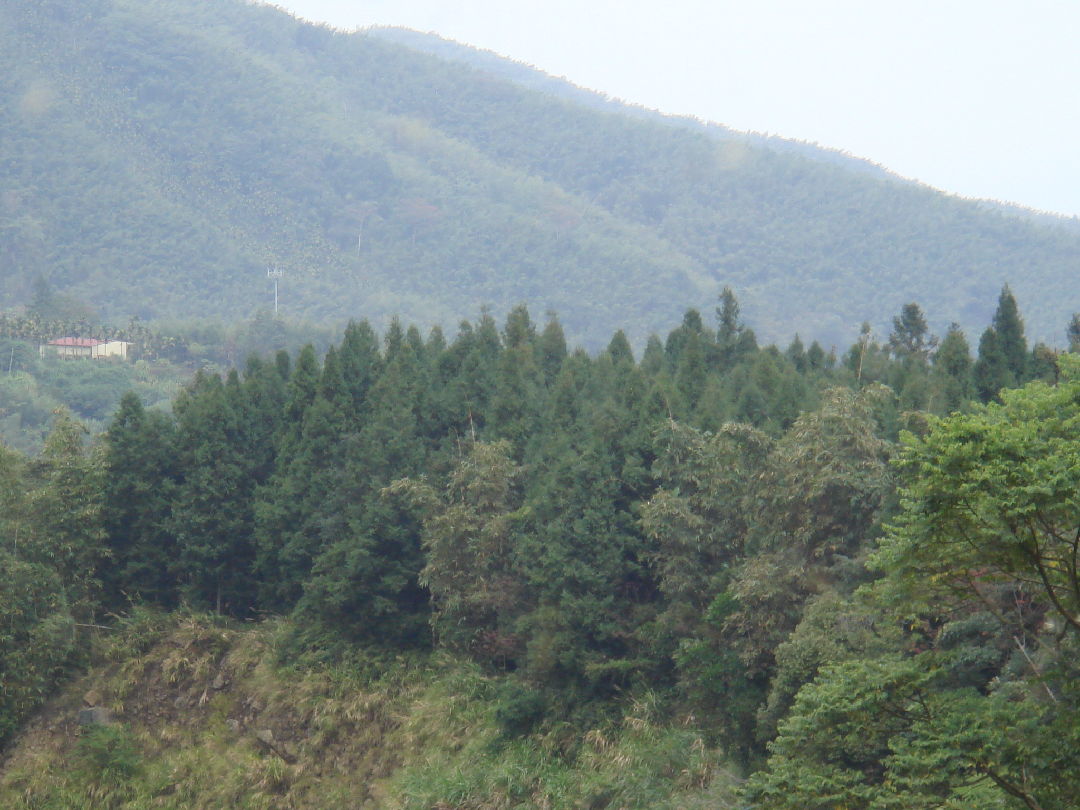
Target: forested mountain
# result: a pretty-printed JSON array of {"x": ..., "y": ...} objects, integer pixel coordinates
[
  {"x": 158, "y": 155},
  {"x": 525, "y": 75}
]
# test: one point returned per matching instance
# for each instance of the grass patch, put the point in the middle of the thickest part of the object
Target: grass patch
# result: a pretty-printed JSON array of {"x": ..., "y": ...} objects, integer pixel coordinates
[{"x": 213, "y": 715}]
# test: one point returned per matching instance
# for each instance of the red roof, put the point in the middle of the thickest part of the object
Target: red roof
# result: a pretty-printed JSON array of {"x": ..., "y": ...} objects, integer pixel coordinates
[{"x": 85, "y": 343}]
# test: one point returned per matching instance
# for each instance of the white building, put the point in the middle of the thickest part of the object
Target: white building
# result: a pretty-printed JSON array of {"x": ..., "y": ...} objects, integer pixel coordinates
[{"x": 92, "y": 348}]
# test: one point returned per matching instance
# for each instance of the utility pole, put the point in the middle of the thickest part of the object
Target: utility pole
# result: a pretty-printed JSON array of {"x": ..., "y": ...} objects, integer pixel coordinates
[{"x": 275, "y": 274}]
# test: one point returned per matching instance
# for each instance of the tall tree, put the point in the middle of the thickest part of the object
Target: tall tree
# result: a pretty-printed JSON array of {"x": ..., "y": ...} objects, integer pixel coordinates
[
  {"x": 364, "y": 580},
  {"x": 991, "y": 495},
  {"x": 952, "y": 373},
  {"x": 139, "y": 488},
  {"x": 1009, "y": 329},
  {"x": 729, "y": 328},
  {"x": 291, "y": 521},
  {"x": 1072, "y": 333},
  {"x": 67, "y": 533},
  {"x": 910, "y": 337},
  {"x": 475, "y": 590},
  {"x": 551, "y": 349},
  {"x": 991, "y": 371},
  {"x": 212, "y": 512}
]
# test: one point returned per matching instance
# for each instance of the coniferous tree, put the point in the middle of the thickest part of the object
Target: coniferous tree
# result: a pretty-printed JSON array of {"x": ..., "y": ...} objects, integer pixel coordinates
[
  {"x": 291, "y": 521},
  {"x": 475, "y": 355},
  {"x": 652, "y": 359},
  {"x": 436, "y": 342},
  {"x": 619, "y": 348},
  {"x": 691, "y": 370},
  {"x": 796, "y": 354},
  {"x": 746, "y": 346},
  {"x": 579, "y": 552},
  {"x": 952, "y": 373},
  {"x": 1009, "y": 330},
  {"x": 262, "y": 406},
  {"x": 910, "y": 338},
  {"x": 678, "y": 338},
  {"x": 728, "y": 328},
  {"x": 518, "y": 384},
  {"x": 1072, "y": 333},
  {"x": 365, "y": 580},
  {"x": 752, "y": 406},
  {"x": 299, "y": 394},
  {"x": 551, "y": 350},
  {"x": 991, "y": 371},
  {"x": 67, "y": 532},
  {"x": 139, "y": 489},
  {"x": 361, "y": 365},
  {"x": 212, "y": 513}
]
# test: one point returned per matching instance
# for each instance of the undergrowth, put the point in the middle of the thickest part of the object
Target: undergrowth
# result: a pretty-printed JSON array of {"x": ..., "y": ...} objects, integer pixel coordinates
[{"x": 212, "y": 714}]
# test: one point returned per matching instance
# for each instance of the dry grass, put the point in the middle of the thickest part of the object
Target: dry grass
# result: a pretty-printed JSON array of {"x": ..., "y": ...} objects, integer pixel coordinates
[{"x": 217, "y": 723}]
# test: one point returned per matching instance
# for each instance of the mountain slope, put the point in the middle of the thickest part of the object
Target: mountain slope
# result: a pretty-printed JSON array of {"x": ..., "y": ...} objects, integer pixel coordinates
[
  {"x": 204, "y": 715},
  {"x": 532, "y": 78},
  {"x": 158, "y": 155}
]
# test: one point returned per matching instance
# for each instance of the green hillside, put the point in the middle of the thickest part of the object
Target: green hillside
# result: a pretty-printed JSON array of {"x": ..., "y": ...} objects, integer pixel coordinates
[
  {"x": 492, "y": 573},
  {"x": 158, "y": 155},
  {"x": 212, "y": 714}
]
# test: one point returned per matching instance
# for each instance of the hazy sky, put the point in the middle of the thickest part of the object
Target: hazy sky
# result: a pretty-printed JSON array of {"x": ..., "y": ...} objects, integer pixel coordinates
[{"x": 976, "y": 97}]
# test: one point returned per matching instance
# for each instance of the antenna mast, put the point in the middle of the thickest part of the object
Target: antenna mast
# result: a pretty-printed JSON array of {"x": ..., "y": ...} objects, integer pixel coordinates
[{"x": 275, "y": 274}]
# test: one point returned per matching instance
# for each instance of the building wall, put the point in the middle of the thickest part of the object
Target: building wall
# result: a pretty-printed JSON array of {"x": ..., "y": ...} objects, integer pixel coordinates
[
  {"x": 70, "y": 351},
  {"x": 112, "y": 348},
  {"x": 109, "y": 348}
]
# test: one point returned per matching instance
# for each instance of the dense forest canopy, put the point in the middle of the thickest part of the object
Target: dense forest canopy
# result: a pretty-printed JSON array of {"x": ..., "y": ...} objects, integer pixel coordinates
[
  {"x": 854, "y": 580},
  {"x": 592, "y": 561},
  {"x": 159, "y": 155}
]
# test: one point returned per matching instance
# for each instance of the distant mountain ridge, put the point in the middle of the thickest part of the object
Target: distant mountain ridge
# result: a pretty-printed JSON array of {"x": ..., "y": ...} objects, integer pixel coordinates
[
  {"x": 159, "y": 155},
  {"x": 533, "y": 78}
]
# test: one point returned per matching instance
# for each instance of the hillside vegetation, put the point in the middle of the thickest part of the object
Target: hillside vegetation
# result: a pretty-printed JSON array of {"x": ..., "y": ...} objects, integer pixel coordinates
[
  {"x": 491, "y": 572},
  {"x": 209, "y": 714},
  {"x": 158, "y": 155}
]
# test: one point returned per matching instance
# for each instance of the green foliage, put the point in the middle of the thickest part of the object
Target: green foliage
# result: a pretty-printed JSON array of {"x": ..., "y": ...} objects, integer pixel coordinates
[
  {"x": 992, "y": 368},
  {"x": 169, "y": 152},
  {"x": 910, "y": 338},
  {"x": 139, "y": 488},
  {"x": 46, "y": 563},
  {"x": 519, "y": 709},
  {"x": 1009, "y": 328},
  {"x": 952, "y": 371},
  {"x": 585, "y": 528},
  {"x": 697, "y": 518},
  {"x": 972, "y": 706},
  {"x": 992, "y": 497},
  {"x": 66, "y": 532},
  {"x": 36, "y": 636},
  {"x": 212, "y": 509},
  {"x": 884, "y": 732},
  {"x": 474, "y": 587},
  {"x": 106, "y": 755}
]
